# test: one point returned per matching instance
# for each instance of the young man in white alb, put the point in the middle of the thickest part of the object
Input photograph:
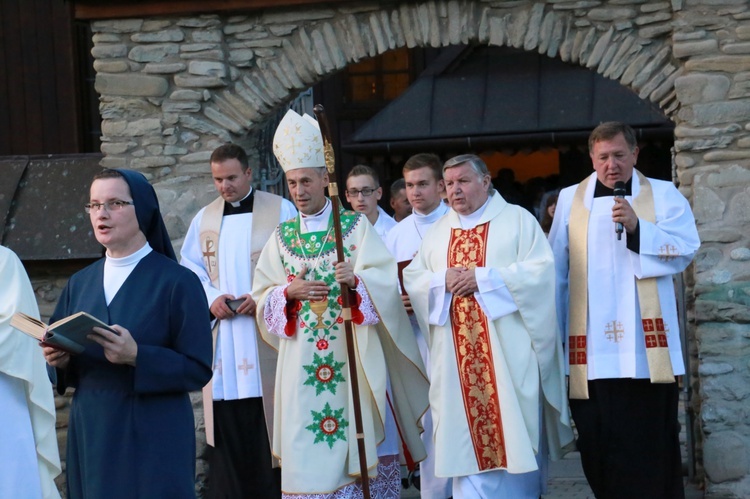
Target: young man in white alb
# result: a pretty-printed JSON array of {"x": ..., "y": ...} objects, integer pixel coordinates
[{"x": 423, "y": 177}]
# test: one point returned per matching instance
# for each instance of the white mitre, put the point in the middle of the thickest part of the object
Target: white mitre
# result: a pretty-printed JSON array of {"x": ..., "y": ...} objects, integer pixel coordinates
[{"x": 297, "y": 142}]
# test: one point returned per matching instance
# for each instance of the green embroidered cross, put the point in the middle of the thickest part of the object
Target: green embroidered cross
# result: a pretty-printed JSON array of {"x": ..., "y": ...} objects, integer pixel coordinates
[
  {"x": 324, "y": 373},
  {"x": 328, "y": 425}
]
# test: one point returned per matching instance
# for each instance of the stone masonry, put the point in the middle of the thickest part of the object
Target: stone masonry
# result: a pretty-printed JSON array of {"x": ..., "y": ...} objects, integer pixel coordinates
[{"x": 174, "y": 88}]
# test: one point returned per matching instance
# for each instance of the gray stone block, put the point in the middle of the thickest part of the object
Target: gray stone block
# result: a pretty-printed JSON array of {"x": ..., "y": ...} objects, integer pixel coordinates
[
  {"x": 186, "y": 95},
  {"x": 111, "y": 66},
  {"x": 131, "y": 85},
  {"x": 695, "y": 88},
  {"x": 611, "y": 13},
  {"x": 695, "y": 47},
  {"x": 164, "y": 68},
  {"x": 207, "y": 68},
  {"x": 169, "y": 35},
  {"x": 153, "y": 162},
  {"x": 730, "y": 176},
  {"x": 724, "y": 63},
  {"x": 726, "y": 456},
  {"x": 153, "y": 53},
  {"x": 211, "y": 55},
  {"x": 142, "y": 127},
  {"x": 181, "y": 107},
  {"x": 199, "y": 81},
  {"x": 109, "y": 51},
  {"x": 206, "y": 36},
  {"x": 740, "y": 254},
  {"x": 717, "y": 113}
]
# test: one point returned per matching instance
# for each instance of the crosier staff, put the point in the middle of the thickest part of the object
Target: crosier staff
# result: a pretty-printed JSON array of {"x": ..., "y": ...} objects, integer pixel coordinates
[{"x": 346, "y": 311}]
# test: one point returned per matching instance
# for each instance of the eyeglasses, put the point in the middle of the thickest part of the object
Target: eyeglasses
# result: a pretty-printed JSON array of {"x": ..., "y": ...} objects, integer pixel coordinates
[
  {"x": 109, "y": 206},
  {"x": 366, "y": 192}
]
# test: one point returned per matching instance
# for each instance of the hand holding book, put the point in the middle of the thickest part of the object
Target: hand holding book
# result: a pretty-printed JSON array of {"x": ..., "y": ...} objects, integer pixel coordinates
[
  {"x": 118, "y": 344},
  {"x": 73, "y": 333},
  {"x": 70, "y": 334},
  {"x": 55, "y": 357}
]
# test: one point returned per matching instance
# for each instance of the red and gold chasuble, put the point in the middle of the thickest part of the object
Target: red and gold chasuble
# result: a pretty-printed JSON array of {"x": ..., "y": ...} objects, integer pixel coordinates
[{"x": 476, "y": 373}]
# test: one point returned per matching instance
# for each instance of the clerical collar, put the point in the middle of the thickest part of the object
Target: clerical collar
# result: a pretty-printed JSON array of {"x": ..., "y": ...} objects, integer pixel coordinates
[
  {"x": 131, "y": 259},
  {"x": 314, "y": 222},
  {"x": 432, "y": 216},
  {"x": 244, "y": 205},
  {"x": 470, "y": 221},
  {"x": 602, "y": 190}
]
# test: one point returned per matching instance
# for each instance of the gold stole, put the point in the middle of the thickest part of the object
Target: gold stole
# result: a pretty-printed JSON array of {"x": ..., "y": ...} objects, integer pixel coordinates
[
  {"x": 266, "y": 214},
  {"x": 476, "y": 371},
  {"x": 655, "y": 336}
]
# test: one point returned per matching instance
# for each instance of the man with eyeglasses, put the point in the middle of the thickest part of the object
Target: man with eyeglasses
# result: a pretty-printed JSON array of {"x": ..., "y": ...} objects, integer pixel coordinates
[
  {"x": 363, "y": 192},
  {"x": 222, "y": 247}
]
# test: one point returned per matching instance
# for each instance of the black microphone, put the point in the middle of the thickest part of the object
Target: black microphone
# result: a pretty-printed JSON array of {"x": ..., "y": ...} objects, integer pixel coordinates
[{"x": 619, "y": 193}]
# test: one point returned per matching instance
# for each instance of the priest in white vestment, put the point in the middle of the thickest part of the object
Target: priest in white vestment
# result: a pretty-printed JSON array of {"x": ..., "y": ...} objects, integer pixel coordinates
[
  {"x": 244, "y": 219},
  {"x": 424, "y": 188},
  {"x": 29, "y": 460},
  {"x": 482, "y": 288},
  {"x": 618, "y": 238}
]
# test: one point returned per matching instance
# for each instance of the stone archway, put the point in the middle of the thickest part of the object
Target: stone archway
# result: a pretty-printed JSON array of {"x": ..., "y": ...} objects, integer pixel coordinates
[
  {"x": 173, "y": 88},
  {"x": 318, "y": 48},
  {"x": 249, "y": 65}
]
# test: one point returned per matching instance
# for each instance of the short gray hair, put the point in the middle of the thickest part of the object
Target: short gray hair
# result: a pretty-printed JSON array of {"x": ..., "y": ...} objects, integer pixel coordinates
[{"x": 477, "y": 164}]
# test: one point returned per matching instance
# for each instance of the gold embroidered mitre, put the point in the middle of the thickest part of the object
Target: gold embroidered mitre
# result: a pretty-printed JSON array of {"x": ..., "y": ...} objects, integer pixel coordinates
[{"x": 297, "y": 142}]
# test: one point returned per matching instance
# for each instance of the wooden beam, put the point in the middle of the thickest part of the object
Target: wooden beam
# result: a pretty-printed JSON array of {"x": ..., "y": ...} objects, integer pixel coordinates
[{"x": 102, "y": 9}]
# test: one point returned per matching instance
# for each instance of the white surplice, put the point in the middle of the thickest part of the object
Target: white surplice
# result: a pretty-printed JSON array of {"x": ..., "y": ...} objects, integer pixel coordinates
[
  {"x": 615, "y": 343},
  {"x": 236, "y": 370},
  {"x": 384, "y": 223}
]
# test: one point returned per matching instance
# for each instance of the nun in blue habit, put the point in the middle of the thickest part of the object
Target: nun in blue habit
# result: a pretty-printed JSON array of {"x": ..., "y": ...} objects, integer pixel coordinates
[{"x": 131, "y": 431}]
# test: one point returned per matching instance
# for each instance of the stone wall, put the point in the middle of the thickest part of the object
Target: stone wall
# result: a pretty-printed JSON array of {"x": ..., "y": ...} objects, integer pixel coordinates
[
  {"x": 173, "y": 88},
  {"x": 711, "y": 43}
]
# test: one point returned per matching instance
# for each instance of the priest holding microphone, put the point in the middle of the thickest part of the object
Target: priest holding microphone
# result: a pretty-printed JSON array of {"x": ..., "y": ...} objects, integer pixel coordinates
[{"x": 617, "y": 311}]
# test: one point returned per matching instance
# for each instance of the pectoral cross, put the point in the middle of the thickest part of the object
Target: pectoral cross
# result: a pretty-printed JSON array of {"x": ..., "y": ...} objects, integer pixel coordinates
[
  {"x": 614, "y": 331},
  {"x": 245, "y": 367},
  {"x": 667, "y": 253}
]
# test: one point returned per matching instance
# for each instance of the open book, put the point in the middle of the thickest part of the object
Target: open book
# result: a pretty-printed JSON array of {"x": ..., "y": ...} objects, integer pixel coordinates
[{"x": 69, "y": 334}]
